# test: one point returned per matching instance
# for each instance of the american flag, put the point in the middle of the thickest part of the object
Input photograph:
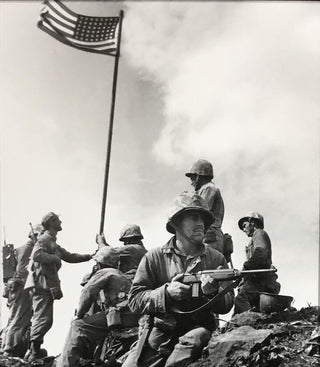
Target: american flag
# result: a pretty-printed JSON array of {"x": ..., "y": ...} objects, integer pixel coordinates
[{"x": 92, "y": 34}]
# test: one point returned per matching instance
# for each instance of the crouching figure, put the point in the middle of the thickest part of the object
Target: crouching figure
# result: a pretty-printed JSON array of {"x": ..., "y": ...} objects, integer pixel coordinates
[
  {"x": 103, "y": 307},
  {"x": 174, "y": 332}
]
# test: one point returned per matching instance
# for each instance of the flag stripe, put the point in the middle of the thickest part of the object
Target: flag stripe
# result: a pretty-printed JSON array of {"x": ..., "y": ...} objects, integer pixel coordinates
[
  {"x": 59, "y": 25},
  {"x": 98, "y": 43},
  {"x": 60, "y": 8},
  {"x": 52, "y": 27},
  {"x": 60, "y": 17}
]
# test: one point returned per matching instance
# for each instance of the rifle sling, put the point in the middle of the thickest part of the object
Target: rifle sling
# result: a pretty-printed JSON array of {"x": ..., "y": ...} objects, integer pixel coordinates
[{"x": 210, "y": 302}]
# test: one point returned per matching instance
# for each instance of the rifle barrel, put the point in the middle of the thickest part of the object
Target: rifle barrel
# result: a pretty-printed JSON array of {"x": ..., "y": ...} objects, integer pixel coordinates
[{"x": 258, "y": 271}]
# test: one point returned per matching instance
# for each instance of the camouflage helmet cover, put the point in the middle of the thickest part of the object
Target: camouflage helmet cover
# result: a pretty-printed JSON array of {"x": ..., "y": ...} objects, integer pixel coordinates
[
  {"x": 108, "y": 256},
  {"x": 47, "y": 218},
  {"x": 252, "y": 215},
  {"x": 129, "y": 231},
  {"x": 185, "y": 202},
  {"x": 201, "y": 167}
]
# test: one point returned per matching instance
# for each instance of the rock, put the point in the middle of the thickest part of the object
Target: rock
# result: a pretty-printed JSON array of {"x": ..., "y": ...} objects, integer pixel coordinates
[
  {"x": 247, "y": 318},
  {"x": 235, "y": 344}
]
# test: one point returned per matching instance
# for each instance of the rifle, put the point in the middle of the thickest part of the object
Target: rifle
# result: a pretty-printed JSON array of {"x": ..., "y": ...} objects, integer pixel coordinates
[
  {"x": 219, "y": 275},
  {"x": 34, "y": 240}
]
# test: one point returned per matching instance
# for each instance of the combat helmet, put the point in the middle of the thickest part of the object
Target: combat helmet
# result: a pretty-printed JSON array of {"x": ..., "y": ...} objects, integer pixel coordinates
[
  {"x": 107, "y": 256},
  {"x": 201, "y": 167},
  {"x": 252, "y": 215},
  {"x": 129, "y": 231},
  {"x": 185, "y": 202},
  {"x": 47, "y": 218}
]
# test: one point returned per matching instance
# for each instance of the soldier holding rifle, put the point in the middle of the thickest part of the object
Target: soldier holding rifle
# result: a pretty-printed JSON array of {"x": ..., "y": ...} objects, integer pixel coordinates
[{"x": 172, "y": 333}]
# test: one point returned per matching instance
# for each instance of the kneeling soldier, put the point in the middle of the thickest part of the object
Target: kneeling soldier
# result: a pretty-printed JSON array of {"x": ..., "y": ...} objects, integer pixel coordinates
[{"x": 175, "y": 332}]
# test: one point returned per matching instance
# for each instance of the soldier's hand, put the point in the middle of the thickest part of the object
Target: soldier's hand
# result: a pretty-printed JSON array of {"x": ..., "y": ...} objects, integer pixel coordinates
[
  {"x": 177, "y": 290},
  {"x": 100, "y": 239},
  {"x": 208, "y": 285}
]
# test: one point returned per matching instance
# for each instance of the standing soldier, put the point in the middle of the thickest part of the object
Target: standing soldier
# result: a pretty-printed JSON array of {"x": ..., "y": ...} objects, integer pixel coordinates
[
  {"x": 259, "y": 256},
  {"x": 176, "y": 331},
  {"x": 201, "y": 175},
  {"x": 15, "y": 342},
  {"x": 44, "y": 281}
]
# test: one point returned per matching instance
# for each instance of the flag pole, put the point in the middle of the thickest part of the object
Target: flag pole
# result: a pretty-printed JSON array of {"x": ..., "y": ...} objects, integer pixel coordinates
[{"x": 110, "y": 130}]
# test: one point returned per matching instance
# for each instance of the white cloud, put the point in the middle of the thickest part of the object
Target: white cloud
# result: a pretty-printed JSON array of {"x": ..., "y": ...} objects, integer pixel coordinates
[{"x": 239, "y": 84}]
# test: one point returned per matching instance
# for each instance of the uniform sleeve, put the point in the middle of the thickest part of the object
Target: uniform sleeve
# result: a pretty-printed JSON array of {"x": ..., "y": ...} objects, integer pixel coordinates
[
  {"x": 41, "y": 255},
  {"x": 145, "y": 297},
  {"x": 259, "y": 257},
  {"x": 72, "y": 257},
  {"x": 208, "y": 194},
  {"x": 89, "y": 293}
]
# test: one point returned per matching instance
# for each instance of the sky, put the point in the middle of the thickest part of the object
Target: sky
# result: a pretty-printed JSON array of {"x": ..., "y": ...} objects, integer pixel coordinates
[{"x": 235, "y": 83}]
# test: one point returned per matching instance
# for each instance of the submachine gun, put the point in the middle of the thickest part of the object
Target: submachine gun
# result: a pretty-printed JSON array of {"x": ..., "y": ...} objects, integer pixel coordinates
[{"x": 194, "y": 280}]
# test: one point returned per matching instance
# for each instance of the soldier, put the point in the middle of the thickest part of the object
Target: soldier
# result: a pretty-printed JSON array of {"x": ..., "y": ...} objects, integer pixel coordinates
[
  {"x": 175, "y": 332},
  {"x": 44, "y": 281},
  {"x": 103, "y": 305},
  {"x": 132, "y": 250},
  {"x": 15, "y": 342},
  {"x": 201, "y": 175},
  {"x": 259, "y": 256}
]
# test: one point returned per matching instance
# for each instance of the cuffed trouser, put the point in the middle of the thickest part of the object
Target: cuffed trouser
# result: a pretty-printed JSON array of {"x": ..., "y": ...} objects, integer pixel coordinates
[
  {"x": 85, "y": 334},
  {"x": 16, "y": 336},
  {"x": 168, "y": 350},
  {"x": 42, "y": 319}
]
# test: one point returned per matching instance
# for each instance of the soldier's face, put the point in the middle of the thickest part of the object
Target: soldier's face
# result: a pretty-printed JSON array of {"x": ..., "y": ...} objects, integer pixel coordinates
[
  {"x": 195, "y": 181},
  {"x": 56, "y": 224},
  {"x": 192, "y": 226},
  {"x": 248, "y": 228}
]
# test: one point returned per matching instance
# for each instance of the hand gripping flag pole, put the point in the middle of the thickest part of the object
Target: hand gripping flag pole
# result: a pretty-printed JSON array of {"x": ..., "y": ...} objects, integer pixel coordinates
[{"x": 100, "y": 35}]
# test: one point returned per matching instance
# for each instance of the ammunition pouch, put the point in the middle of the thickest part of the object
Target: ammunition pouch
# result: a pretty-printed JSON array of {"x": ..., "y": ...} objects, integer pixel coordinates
[
  {"x": 114, "y": 317},
  {"x": 118, "y": 318}
]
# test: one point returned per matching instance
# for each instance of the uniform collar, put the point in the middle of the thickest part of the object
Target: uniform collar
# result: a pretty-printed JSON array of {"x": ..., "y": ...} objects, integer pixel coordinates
[{"x": 170, "y": 247}]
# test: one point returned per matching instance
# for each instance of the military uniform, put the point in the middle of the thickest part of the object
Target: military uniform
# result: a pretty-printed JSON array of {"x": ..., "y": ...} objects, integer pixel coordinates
[
  {"x": 15, "y": 340},
  {"x": 212, "y": 195},
  {"x": 107, "y": 289},
  {"x": 130, "y": 256},
  {"x": 174, "y": 338},
  {"x": 44, "y": 281},
  {"x": 259, "y": 256}
]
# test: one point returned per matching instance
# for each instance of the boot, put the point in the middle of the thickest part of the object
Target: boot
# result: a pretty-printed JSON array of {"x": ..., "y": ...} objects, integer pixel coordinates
[{"x": 35, "y": 351}]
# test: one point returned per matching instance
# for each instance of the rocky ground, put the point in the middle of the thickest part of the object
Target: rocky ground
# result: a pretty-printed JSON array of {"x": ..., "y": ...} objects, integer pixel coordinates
[{"x": 288, "y": 338}]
